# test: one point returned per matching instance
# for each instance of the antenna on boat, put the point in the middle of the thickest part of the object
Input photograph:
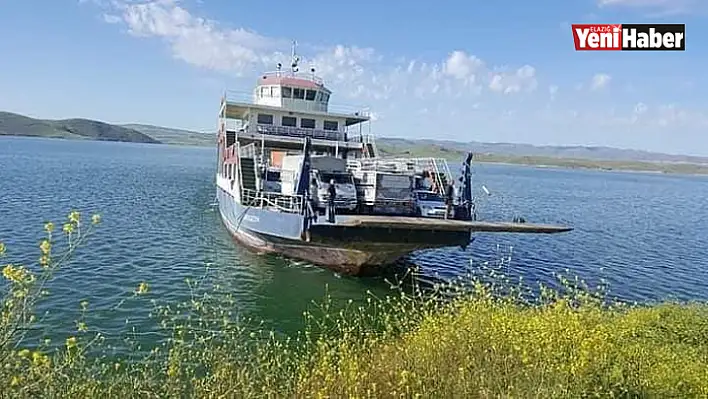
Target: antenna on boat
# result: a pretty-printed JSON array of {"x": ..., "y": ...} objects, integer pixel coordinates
[{"x": 295, "y": 58}]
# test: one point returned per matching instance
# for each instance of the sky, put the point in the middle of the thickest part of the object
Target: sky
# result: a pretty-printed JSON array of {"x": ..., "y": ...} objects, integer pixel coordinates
[{"x": 501, "y": 71}]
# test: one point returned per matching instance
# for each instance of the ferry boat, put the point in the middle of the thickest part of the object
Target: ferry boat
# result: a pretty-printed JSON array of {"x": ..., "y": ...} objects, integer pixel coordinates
[{"x": 282, "y": 144}]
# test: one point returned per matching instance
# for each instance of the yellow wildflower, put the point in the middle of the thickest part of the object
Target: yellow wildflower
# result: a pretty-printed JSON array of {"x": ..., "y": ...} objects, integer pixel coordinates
[
  {"x": 49, "y": 227},
  {"x": 17, "y": 274},
  {"x": 44, "y": 261},
  {"x": 45, "y": 247},
  {"x": 71, "y": 342},
  {"x": 81, "y": 326},
  {"x": 96, "y": 218},
  {"x": 74, "y": 217},
  {"x": 2, "y": 249},
  {"x": 24, "y": 353},
  {"x": 68, "y": 228},
  {"x": 15, "y": 381},
  {"x": 142, "y": 288},
  {"x": 39, "y": 359}
]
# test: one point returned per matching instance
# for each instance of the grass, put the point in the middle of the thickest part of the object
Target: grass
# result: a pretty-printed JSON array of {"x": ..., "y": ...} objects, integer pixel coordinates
[
  {"x": 484, "y": 338},
  {"x": 571, "y": 163}
]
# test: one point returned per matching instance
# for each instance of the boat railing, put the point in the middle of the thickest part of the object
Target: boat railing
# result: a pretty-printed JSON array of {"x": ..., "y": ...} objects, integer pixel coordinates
[
  {"x": 417, "y": 165},
  {"x": 263, "y": 199},
  {"x": 362, "y": 138},
  {"x": 380, "y": 165},
  {"x": 248, "y": 97},
  {"x": 248, "y": 151},
  {"x": 289, "y": 74},
  {"x": 288, "y": 131}
]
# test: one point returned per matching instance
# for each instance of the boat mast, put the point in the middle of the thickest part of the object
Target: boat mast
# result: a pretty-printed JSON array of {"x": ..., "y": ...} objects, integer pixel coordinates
[{"x": 295, "y": 59}]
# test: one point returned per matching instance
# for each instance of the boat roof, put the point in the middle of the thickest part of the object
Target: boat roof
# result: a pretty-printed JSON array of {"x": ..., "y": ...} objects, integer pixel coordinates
[
  {"x": 277, "y": 78},
  {"x": 239, "y": 109}
]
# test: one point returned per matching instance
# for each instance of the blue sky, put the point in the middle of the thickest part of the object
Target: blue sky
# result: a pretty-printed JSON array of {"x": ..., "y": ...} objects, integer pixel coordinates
[{"x": 503, "y": 71}]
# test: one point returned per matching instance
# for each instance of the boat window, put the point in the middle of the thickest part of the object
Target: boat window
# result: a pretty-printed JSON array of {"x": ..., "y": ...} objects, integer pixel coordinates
[
  {"x": 339, "y": 178},
  {"x": 287, "y": 92},
  {"x": 325, "y": 97},
  {"x": 273, "y": 175},
  {"x": 289, "y": 121},
  {"x": 265, "y": 119},
  {"x": 230, "y": 138},
  {"x": 265, "y": 91},
  {"x": 298, "y": 93},
  {"x": 275, "y": 91},
  {"x": 307, "y": 123},
  {"x": 310, "y": 95},
  {"x": 331, "y": 125}
]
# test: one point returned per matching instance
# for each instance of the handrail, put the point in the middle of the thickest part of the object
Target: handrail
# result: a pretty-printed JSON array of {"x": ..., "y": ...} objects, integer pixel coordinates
[
  {"x": 300, "y": 132},
  {"x": 244, "y": 97},
  {"x": 290, "y": 74},
  {"x": 283, "y": 202},
  {"x": 237, "y": 150},
  {"x": 362, "y": 138},
  {"x": 248, "y": 151}
]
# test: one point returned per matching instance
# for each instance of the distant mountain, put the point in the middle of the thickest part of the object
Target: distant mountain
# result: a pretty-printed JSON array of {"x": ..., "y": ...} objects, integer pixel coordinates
[
  {"x": 575, "y": 152},
  {"x": 175, "y": 136},
  {"x": 20, "y": 125}
]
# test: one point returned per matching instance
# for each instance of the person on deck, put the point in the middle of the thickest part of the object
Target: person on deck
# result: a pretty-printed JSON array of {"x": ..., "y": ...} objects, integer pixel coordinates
[
  {"x": 449, "y": 197},
  {"x": 314, "y": 192},
  {"x": 330, "y": 201}
]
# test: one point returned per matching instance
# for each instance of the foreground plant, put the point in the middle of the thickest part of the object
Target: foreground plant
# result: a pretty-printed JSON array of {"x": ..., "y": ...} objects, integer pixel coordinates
[{"x": 476, "y": 338}]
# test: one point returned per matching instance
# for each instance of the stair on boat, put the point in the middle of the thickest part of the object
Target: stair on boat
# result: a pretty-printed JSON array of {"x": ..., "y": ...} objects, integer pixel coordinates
[{"x": 248, "y": 173}]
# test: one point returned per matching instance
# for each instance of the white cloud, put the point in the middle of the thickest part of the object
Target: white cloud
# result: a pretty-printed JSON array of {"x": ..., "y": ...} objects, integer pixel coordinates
[
  {"x": 353, "y": 71},
  {"x": 462, "y": 66},
  {"x": 600, "y": 81},
  {"x": 111, "y": 19},
  {"x": 523, "y": 79},
  {"x": 553, "y": 90},
  {"x": 195, "y": 40},
  {"x": 416, "y": 96}
]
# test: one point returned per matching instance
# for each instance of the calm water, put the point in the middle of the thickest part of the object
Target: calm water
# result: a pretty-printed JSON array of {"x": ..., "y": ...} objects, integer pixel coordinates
[{"x": 645, "y": 234}]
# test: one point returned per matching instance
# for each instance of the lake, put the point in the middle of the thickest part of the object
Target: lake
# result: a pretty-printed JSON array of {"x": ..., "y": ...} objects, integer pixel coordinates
[{"x": 645, "y": 234}]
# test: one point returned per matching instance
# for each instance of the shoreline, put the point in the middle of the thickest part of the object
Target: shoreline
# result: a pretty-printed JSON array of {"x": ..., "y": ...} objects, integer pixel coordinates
[
  {"x": 599, "y": 169},
  {"x": 543, "y": 162}
]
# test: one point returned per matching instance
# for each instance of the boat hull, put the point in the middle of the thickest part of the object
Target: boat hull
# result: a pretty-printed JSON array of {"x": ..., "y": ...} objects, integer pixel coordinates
[{"x": 346, "y": 250}]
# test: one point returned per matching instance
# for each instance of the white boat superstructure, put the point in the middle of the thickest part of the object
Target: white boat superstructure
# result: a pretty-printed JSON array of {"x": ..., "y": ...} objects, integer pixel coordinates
[{"x": 282, "y": 145}]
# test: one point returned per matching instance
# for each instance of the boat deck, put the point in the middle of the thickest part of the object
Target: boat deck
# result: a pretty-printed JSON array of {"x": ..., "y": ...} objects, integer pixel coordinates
[{"x": 419, "y": 223}]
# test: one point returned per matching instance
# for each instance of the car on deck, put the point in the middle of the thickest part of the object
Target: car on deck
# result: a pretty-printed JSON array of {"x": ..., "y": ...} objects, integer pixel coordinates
[{"x": 429, "y": 204}]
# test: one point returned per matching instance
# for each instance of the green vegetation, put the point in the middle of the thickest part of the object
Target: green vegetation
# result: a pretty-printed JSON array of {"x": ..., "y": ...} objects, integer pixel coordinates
[
  {"x": 572, "y": 163},
  {"x": 176, "y": 136},
  {"x": 81, "y": 129},
  {"x": 494, "y": 339}
]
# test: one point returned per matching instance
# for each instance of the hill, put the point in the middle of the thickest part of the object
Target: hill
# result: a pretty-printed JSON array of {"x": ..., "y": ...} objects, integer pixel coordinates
[
  {"x": 20, "y": 125},
  {"x": 456, "y": 155},
  {"x": 175, "y": 136},
  {"x": 573, "y": 152},
  {"x": 605, "y": 158}
]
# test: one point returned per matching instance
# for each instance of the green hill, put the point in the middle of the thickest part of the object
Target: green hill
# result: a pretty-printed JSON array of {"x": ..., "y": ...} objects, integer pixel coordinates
[
  {"x": 176, "y": 136},
  {"x": 20, "y": 125},
  {"x": 411, "y": 148},
  {"x": 603, "y": 158}
]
